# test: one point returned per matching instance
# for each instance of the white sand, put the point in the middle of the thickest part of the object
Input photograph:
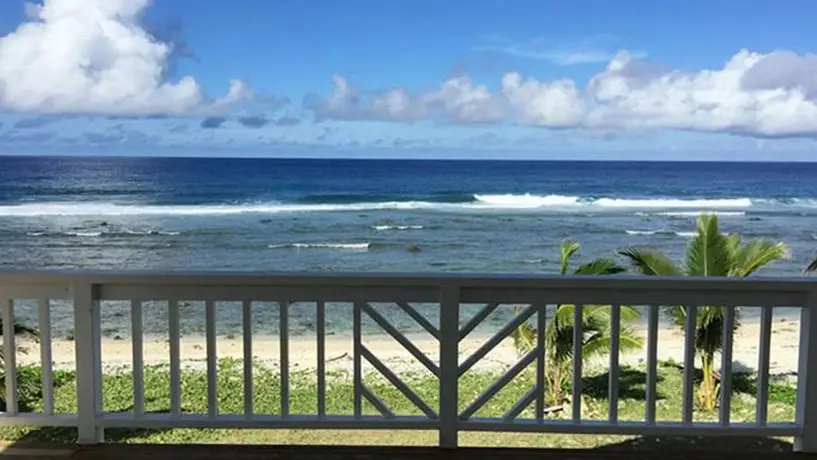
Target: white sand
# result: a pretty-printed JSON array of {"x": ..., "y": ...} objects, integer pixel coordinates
[{"x": 302, "y": 350}]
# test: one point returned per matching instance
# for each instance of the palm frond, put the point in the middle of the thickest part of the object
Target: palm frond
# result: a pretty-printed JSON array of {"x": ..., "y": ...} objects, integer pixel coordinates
[
  {"x": 600, "y": 267},
  {"x": 812, "y": 267},
  {"x": 650, "y": 262},
  {"x": 757, "y": 254},
  {"x": 568, "y": 249},
  {"x": 708, "y": 251}
]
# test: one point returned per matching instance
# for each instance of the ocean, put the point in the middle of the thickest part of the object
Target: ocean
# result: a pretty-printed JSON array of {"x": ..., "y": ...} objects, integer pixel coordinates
[{"x": 170, "y": 214}]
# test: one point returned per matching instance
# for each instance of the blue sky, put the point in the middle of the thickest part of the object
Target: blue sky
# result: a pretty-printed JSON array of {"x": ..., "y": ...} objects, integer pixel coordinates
[{"x": 588, "y": 79}]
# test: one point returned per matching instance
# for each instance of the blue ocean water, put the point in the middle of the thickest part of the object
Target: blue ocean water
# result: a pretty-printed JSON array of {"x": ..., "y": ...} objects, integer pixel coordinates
[
  {"x": 372, "y": 216},
  {"x": 368, "y": 215}
]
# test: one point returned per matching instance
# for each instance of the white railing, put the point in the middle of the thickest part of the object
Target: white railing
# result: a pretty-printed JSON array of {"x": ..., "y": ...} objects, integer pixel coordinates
[{"x": 86, "y": 290}]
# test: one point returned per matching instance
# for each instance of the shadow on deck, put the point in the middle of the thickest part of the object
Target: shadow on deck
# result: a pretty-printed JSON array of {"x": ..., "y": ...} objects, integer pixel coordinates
[{"x": 643, "y": 448}]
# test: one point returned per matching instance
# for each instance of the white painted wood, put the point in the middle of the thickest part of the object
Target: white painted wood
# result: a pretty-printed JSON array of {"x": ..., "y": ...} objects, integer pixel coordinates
[
  {"x": 613, "y": 375},
  {"x": 726, "y": 365},
  {"x": 578, "y": 340},
  {"x": 175, "y": 358},
  {"x": 137, "y": 345},
  {"x": 283, "y": 336},
  {"x": 477, "y": 319},
  {"x": 87, "y": 289},
  {"x": 495, "y": 388},
  {"x": 690, "y": 328},
  {"x": 496, "y": 339},
  {"x": 806, "y": 412},
  {"x": 764, "y": 351},
  {"x": 357, "y": 362},
  {"x": 541, "y": 326},
  {"x": 320, "y": 340},
  {"x": 520, "y": 405},
  {"x": 10, "y": 357},
  {"x": 397, "y": 382},
  {"x": 246, "y": 332},
  {"x": 652, "y": 363},
  {"x": 212, "y": 358},
  {"x": 376, "y": 402},
  {"x": 450, "y": 336},
  {"x": 400, "y": 338},
  {"x": 44, "y": 321},
  {"x": 420, "y": 319},
  {"x": 85, "y": 344}
]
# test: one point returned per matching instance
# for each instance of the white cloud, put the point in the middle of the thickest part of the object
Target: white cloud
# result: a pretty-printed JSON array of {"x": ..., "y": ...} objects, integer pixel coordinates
[
  {"x": 458, "y": 99},
  {"x": 94, "y": 57},
  {"x": 594, "y": 49},
  {"x": 753, "y": 94}
]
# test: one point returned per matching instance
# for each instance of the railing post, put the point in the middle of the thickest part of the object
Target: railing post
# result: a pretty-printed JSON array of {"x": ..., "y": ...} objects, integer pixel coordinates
[
  {"x": 86, "y": 333},
  {"x": 807, "y": 377},
  {"x": 449, "y": 362}
]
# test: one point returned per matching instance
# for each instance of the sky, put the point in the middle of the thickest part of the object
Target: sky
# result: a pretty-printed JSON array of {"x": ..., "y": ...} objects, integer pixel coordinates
[{"x": 516, "y": 79}]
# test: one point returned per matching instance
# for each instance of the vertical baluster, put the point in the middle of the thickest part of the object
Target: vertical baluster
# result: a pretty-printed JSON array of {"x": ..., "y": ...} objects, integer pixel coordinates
[
  {"x": 541, "y": 319},
  {"x": 44, "y": 313},
  {"x": 246, "y": 331},
  {"x": 212, "y": 358},
  {"x": 320, "y": 337},
  {"x": 690, "y": 328},
  {"x": 175, "y": 358},
  {"x": 10, "y": 356},
  {"x": 615, "y": 330},
  {"x": 89, "y": 385},
  {"x": 358, "y": 370},
  {"x": 283, "y": 335},
  {"x": 763, "y": 364},
  {"x": 652, "y": 363},
  {"x": 726, "y": 364},
  {"x": 137, "y": 342},
  {"x": 578, "y": 339},
  {"x": 449, "y": 360}
]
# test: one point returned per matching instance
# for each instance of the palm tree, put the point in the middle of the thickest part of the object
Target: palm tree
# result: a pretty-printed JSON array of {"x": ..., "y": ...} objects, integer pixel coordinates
[
  {"x": 709, "y": 253},
  {"x": 596, "y": 321}
]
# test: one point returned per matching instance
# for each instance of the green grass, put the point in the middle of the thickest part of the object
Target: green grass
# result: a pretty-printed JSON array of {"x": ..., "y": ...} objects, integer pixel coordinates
[{"x": 118, "y": 397}]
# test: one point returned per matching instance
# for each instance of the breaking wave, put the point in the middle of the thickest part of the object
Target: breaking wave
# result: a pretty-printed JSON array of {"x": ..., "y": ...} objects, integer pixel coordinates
[
  {"x": 662, "y": 206},
  {"x": 347, "y": 246}
]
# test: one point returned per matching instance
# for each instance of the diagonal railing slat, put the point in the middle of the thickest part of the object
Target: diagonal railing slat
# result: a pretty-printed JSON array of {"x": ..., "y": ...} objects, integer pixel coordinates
[
  {"x": 400, "y": 338},
  {"x": 520, "y": 405},
  {"x": 492, "y": 390},
  {"x": 399, "y": 384},
  {"x": 420, "y": 319},
  {"x": 474, "y": 322},
  {"x": 497, "y": 338},
  {"x": 376, "y": 402}
]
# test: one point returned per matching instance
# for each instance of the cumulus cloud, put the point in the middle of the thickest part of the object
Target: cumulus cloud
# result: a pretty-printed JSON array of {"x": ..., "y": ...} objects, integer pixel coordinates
[
  {"x": 95, "y": 57},
  {"x": 764, "y": 95},
  {"x": 458, "y": 99}
]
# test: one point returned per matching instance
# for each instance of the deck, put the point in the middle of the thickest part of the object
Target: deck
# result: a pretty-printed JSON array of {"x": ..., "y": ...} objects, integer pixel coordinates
[{"x": 640, "y": 450}]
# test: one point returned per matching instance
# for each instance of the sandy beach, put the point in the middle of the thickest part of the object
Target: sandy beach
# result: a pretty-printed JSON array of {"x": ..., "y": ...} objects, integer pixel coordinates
[{"x": 303, "y": 353}]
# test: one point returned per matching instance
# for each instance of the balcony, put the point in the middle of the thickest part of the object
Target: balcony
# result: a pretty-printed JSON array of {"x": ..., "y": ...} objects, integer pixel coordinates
[{"x": 449, "y": 310}]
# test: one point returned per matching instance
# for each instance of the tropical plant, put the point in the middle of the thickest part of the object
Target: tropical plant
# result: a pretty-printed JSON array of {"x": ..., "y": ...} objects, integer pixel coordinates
[
  {"x": 25, "y": 383},
  {"x": 709, "y": 253},
  {"x": 812, "y": 267},
  {"x": 596, "y": 322}
]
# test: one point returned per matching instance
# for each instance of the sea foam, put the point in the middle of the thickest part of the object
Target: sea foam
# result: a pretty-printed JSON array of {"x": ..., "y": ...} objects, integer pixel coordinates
[
  {"x": 348, "y": 246},
  {"x": 664, "y": 206}
]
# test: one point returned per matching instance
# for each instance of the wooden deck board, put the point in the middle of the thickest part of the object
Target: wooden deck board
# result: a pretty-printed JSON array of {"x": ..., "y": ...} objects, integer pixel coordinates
[{"x": 224, "y": 452}]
